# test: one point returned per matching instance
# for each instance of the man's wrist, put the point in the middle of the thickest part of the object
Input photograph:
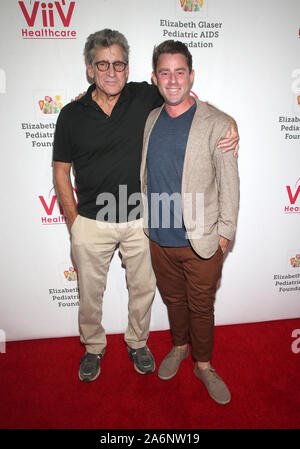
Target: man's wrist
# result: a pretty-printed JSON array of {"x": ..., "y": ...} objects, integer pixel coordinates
[{"x": 72, "y": 219}]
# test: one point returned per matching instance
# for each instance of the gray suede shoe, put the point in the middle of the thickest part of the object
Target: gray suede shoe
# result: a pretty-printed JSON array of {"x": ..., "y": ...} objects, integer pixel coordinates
[
  {"x": 215, "y": 386},
  {"x": 171, "y": 363}
]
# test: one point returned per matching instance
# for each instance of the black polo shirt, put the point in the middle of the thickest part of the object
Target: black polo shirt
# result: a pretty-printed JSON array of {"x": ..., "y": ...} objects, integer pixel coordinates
[{"x": 106, "y": 150}]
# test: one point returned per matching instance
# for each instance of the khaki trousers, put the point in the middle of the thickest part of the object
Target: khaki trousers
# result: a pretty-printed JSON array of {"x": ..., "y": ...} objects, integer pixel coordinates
[
  {"x": 93, "y": 246},
  {"x": 187, "y": 284}
]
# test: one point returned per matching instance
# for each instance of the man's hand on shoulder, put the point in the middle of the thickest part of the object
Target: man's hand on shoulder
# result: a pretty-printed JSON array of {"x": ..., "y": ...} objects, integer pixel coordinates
[
  {"x": 231, "y": 140},
  {"x": 79, "y": 96}
]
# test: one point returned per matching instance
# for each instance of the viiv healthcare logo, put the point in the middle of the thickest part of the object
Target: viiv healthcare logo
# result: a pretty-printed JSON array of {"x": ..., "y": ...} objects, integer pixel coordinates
[
  {"x": 53, "y": 213},
  {"x": 45, "y": 19},
  {"x": 293, "y": 195}
]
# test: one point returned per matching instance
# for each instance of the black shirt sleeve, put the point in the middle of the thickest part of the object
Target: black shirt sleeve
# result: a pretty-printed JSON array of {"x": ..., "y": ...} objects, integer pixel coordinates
[
  {"x": 62, "y": 147},
  {"x": 156, "y": 98}
]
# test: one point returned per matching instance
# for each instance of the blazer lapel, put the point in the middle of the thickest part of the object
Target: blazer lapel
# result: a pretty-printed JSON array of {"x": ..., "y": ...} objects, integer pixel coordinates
[
  {"x": 195, "y": 141},
  {"x": 153, "y": 116}
]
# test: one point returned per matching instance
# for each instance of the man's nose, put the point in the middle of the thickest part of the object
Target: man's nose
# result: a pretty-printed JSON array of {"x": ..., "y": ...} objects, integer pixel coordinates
[
  {"x": 172, "y": 77},
  {"x": 111, "y": 70}
]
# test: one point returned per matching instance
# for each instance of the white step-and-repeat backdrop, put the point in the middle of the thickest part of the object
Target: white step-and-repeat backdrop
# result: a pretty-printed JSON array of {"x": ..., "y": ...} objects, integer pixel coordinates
[{"x": 247, "y": 62}]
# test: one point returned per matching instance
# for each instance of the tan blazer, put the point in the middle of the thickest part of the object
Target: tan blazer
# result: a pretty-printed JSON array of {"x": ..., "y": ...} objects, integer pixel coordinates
[{"x": 210, "y": 181}]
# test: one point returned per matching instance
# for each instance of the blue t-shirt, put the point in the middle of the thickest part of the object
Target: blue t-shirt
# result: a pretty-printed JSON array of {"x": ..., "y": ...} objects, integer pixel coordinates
[{"x": 165, "y": 157}]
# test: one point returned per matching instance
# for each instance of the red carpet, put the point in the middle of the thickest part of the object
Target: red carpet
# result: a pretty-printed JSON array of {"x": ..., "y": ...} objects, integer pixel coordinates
[{"x": 40, "y": 389}]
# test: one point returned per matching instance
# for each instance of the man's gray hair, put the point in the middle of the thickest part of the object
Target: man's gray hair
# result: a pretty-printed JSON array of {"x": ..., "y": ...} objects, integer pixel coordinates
[{"x": 105, "y": 38}]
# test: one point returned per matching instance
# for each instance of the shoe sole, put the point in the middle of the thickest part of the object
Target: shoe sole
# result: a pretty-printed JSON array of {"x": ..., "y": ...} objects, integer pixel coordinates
[
  {"x": 88, "y": 379},
  {"x": 167, "y": 378},
  {"x": 217, "y": 401},
  {"x": 143, "y": 372}
]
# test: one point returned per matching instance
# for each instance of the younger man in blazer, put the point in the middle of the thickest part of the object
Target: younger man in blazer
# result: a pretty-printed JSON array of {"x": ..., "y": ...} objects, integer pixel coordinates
[{"x": 191, "y": 193}]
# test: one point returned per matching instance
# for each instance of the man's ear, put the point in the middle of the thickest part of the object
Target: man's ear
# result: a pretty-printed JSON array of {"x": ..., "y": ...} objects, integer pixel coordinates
[
  {"x": 192, "y": 77},
  {"x": 154, "y": 78},
  {"x": 127, "y": 72},
  {"x": 90, "y": 71}
]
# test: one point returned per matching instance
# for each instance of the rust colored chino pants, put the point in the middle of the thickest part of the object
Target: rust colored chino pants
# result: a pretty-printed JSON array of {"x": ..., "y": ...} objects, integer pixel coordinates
[
  {"x": 187, "y": 284},
  {"x": 93, "y": 246}
]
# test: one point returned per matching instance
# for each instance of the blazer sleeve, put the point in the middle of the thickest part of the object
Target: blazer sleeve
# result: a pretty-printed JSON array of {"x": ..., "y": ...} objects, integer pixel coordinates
[{"x": 227, "y": 178}]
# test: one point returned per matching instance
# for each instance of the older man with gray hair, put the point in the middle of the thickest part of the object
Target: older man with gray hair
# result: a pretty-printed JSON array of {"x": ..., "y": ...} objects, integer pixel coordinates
[{"x": 101, "y": 135}]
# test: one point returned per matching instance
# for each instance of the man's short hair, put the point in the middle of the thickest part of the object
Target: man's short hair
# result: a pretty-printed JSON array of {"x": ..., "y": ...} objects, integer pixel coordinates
[
  {"x": 171, "y": 46},
  {"x": 105, "y": 38}
]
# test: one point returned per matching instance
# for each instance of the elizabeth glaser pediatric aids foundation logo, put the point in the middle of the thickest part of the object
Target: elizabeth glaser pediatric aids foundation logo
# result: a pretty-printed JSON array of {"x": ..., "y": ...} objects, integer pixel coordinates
[
  {"x": 71, "y": 274},
  {"x": 191, "y": 5},
  {"x": 189, "y": 8},
  {"x": 50, "y": 105},
  {"x": 295, "y": 261},
  {"x": 47, "y": 19}
]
